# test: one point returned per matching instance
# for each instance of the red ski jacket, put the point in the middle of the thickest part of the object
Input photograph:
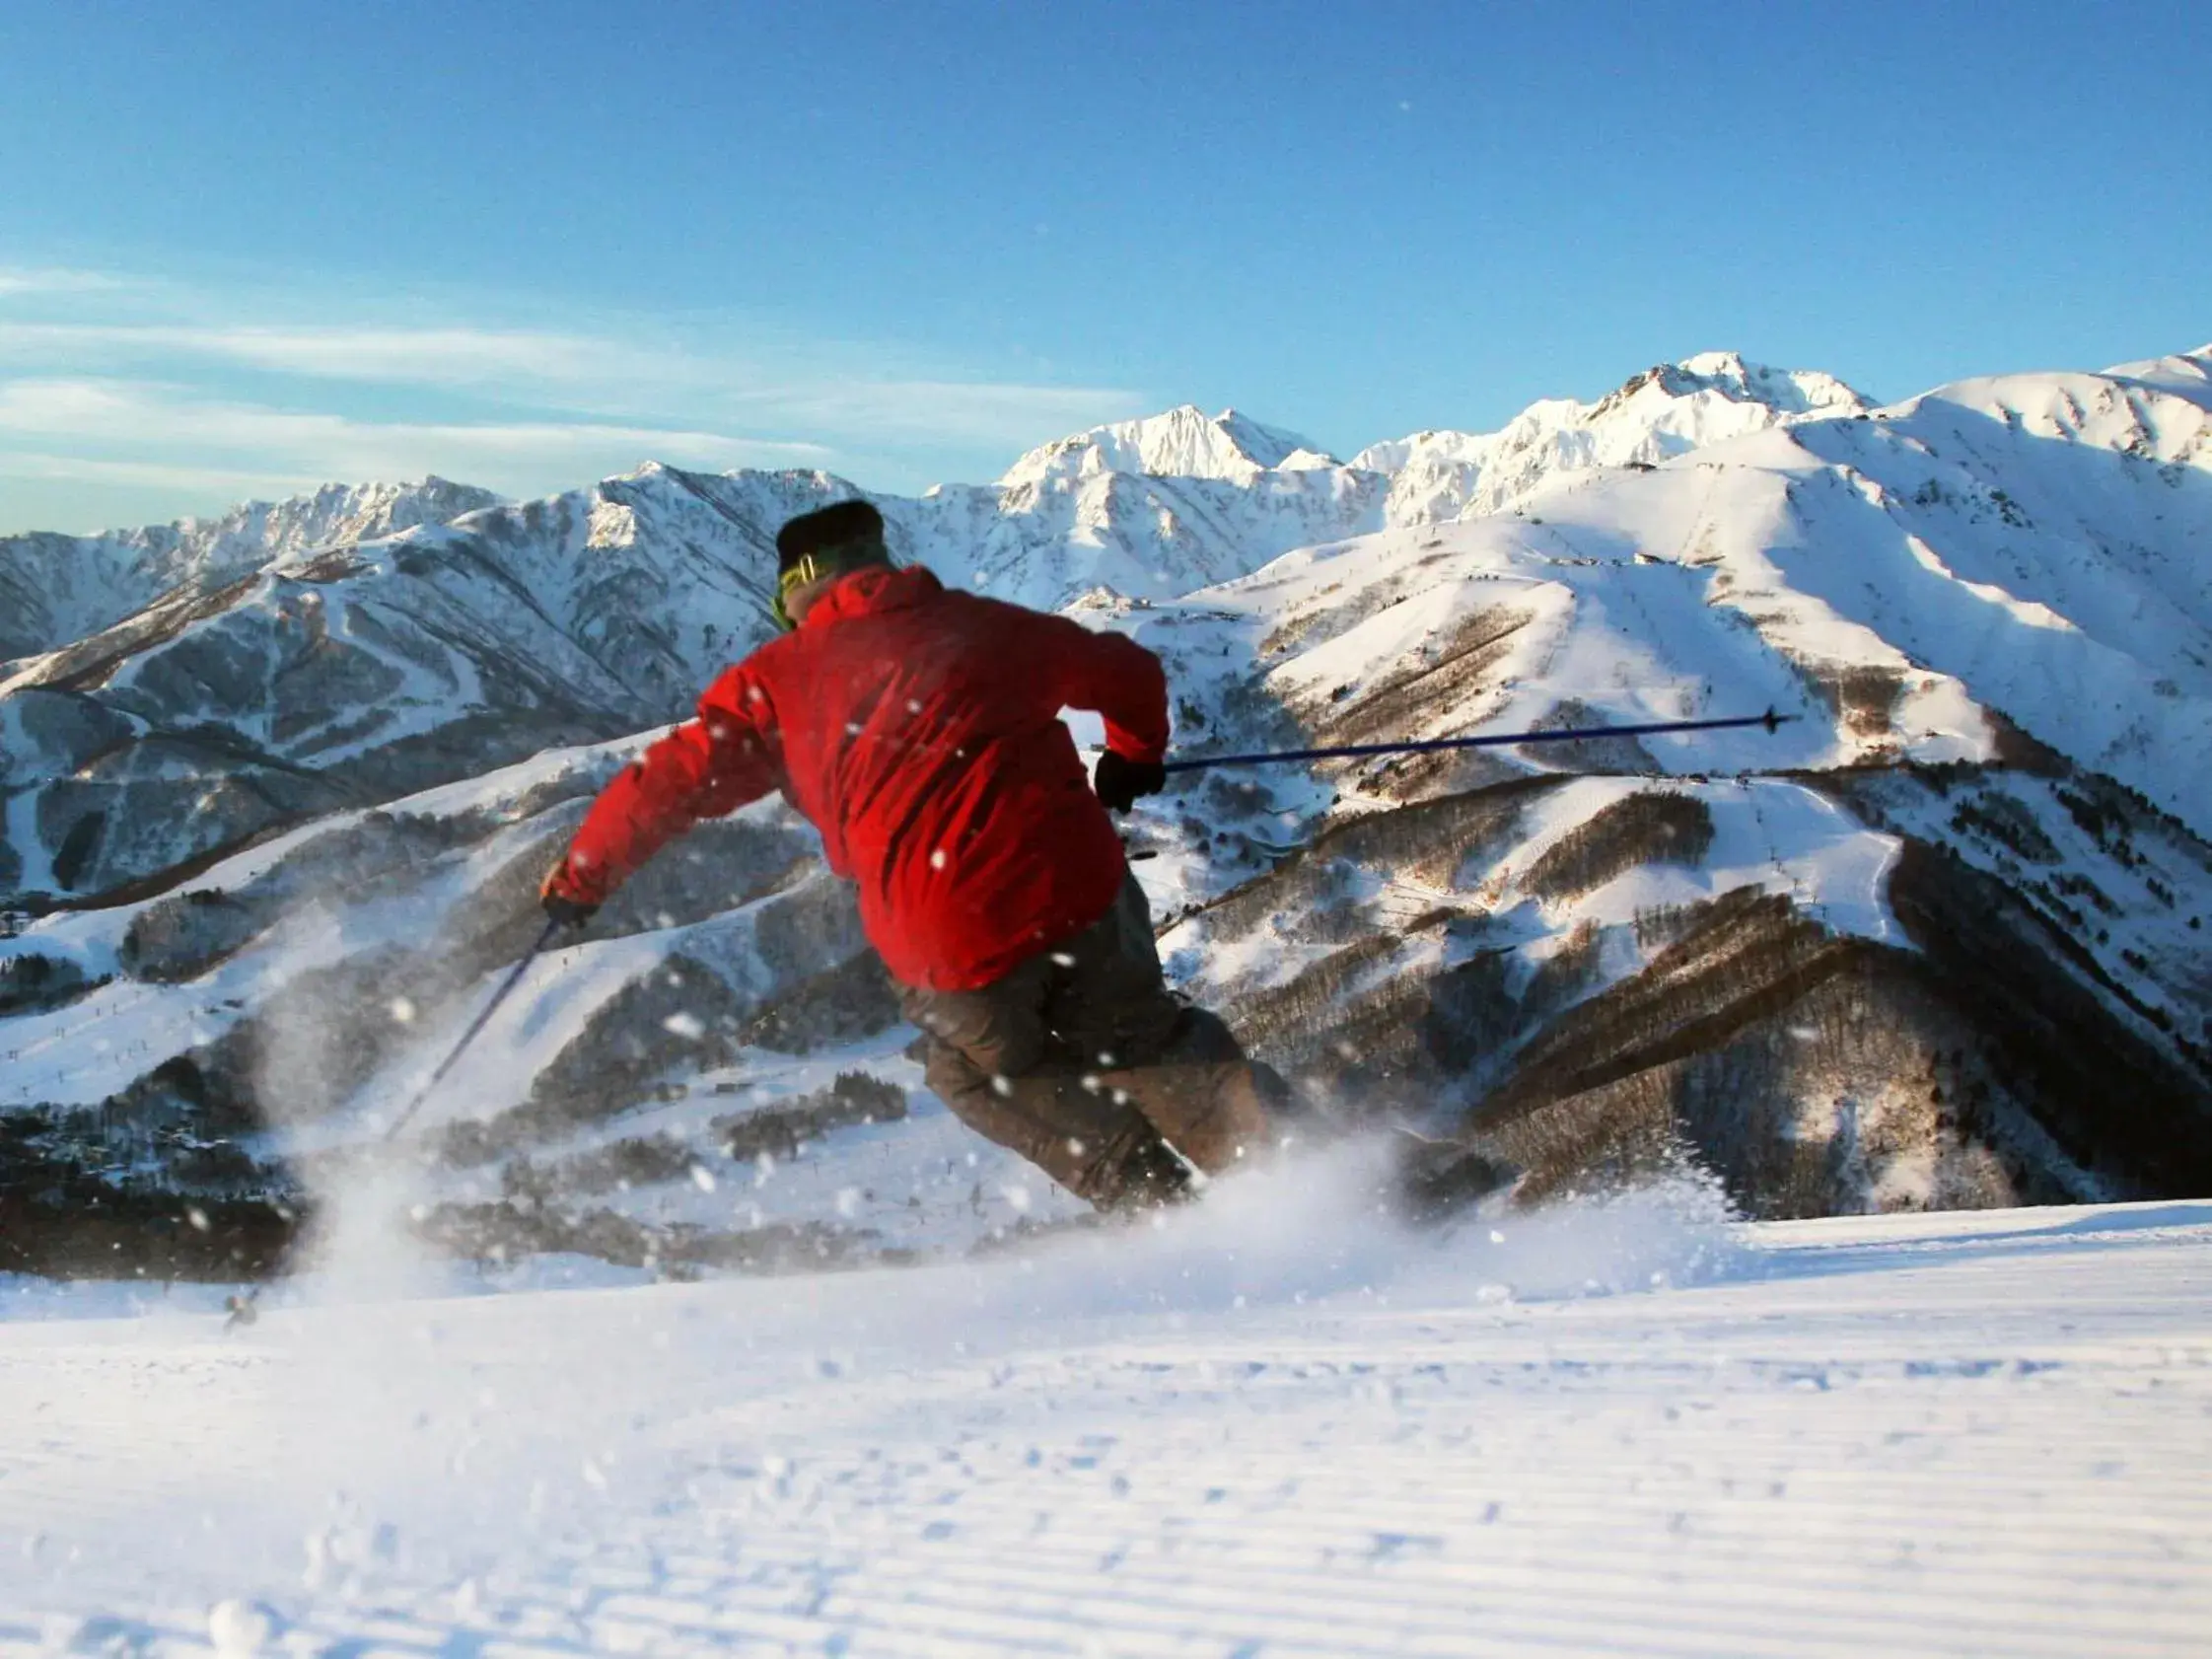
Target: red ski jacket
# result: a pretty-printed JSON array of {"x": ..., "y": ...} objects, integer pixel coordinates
[{"x": 918, "y": 727}]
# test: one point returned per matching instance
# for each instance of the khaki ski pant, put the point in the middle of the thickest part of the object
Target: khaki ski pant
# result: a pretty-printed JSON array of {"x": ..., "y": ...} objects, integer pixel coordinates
[{"x": 1079, "y": 1060}]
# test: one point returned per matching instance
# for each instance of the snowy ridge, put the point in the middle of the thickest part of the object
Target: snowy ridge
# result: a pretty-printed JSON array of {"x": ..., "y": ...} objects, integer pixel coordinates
[
  {"x": 1665, "y": 411},
  {"x": 1183, "y": 443},
  {"x": 54, "y": 589},
  {"x": 2187, "y": 372},
  {"x": 361, "y": 671}
]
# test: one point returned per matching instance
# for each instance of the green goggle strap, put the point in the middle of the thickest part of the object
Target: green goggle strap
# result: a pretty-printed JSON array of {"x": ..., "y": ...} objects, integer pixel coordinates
[
  {"x": 798, "y": 576},
  {"x": 813, "y": 565}
]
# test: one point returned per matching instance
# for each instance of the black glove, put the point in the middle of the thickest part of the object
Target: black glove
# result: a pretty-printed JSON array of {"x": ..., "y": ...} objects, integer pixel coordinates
[
  {"x": 567, "y": 912},
  {"x": 1119, "y": 781},
  {"x": 554, "y": 893}
]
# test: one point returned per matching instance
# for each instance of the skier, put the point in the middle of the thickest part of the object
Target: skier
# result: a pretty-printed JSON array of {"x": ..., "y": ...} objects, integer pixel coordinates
[{"x": 918, "y": 727}]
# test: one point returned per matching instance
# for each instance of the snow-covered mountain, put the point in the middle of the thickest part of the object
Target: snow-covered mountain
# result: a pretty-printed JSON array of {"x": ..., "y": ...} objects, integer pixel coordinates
[
  {"x": 1940, "y": 941},
  {"x": 54, "y": 589},
  {"x": 354, "y": 671},
  {"x": 1183, "y": 443},
  {"x": 228, "y": 678},
  {"x": 1667, "y": 410}
]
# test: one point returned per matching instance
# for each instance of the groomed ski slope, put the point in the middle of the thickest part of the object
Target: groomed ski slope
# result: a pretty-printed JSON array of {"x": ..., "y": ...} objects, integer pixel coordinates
[{"x": 1273, "y": 1426}]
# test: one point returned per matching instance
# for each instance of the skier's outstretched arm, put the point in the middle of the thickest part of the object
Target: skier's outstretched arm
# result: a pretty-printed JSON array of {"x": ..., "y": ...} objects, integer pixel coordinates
[
  {"x": 1115, "y": 678},
  {"x": 1125, "y": 685},
  {"x": 709, "y": 765}
]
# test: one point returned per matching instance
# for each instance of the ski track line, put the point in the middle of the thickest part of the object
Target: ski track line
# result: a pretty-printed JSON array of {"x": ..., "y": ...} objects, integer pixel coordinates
[
  {"x": 1446, "y": 1606},
  {"x": 1866, "y": 1439},
  {"x": 1327, "y": 1544},
  {"x": 1784, "y": 1580}
]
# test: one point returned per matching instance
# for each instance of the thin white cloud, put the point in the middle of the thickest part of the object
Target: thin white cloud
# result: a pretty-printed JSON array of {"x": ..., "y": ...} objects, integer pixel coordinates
[
  {"x": 186, "y": 480},
  {"x": 435, "y": 356},
  {"x": 260, "y": 441},
  {"x": 50, "y": 279},
  {"x": 111, "y": 377},
  {"x": 594, "y": 371}
]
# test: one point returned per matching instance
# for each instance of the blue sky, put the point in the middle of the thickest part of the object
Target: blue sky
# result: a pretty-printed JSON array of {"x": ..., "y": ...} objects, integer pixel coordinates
[{"x": 248, "y": 247}]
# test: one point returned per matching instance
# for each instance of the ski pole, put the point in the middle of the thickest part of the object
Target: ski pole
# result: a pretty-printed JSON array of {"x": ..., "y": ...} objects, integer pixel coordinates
[
  {"x": 474, "y": 1026},
  {"x": 1344, "y": 752}
]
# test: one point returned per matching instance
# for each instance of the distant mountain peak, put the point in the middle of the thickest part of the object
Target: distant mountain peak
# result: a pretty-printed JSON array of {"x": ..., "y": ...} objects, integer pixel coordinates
[
  {"x": 1183, "y": 442},
  {"x": 1788, "y": 391},
  {"x": 1667, "y": 410},
  {"x": 59, "y": 588},
  {"x": 331, "y": 512},
  {"x": 2187, "y": 373},
  {"x": 1270, "y": 445}
]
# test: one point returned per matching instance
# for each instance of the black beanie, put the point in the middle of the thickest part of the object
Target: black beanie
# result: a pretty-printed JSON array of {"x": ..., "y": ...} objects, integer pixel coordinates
[{"x": 842, "y": 524}]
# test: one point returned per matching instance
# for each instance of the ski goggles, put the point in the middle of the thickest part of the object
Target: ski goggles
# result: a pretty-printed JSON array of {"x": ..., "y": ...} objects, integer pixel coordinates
[
  {"x": 789, "y": 582},
  {"x": 812, "y": 568}
]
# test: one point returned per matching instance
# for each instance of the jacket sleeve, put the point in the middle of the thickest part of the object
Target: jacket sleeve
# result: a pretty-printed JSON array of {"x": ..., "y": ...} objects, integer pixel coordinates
[
  {"x": 1115, "y": 677},
  {"x": 713, "y": 764}
]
